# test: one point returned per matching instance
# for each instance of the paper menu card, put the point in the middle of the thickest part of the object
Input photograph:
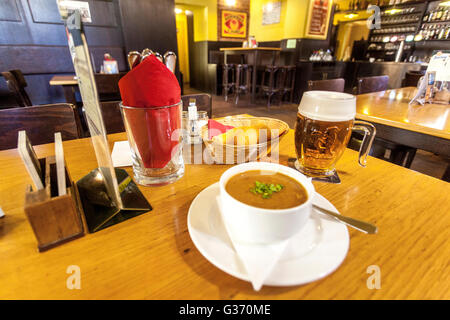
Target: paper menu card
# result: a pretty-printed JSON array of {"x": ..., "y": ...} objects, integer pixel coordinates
[
  {"x": 86, "y": 82},
  {"x": 30, "y": 159},
  {"x": 60, "y": 165},
  {"x": 440, "y": 63}
]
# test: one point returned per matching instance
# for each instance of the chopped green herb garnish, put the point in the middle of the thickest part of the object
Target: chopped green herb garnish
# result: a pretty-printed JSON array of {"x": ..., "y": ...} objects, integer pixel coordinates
[{"x": 265, "y": 189}]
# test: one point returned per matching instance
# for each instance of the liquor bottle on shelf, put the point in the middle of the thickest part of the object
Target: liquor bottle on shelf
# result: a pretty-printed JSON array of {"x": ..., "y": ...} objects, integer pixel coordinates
[
  {"x": 441, "y": 33},
  {"x": 439, "y": 13},
  {"x": 445, "y": 15}
]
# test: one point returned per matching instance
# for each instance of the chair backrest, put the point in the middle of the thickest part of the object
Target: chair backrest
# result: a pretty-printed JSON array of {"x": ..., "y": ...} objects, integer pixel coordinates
[
  {"x": 203, "y": 102},
  {"x": 112, "y": 118},
  {"x": 108, "y": 86},
  {"x": 372, "y": 84},
  {"x": 40, "y": 122},
  {"x": 337, "y": 85},
  {"x": 412, "y": 78},
  {"x": 16, "y": 84}
]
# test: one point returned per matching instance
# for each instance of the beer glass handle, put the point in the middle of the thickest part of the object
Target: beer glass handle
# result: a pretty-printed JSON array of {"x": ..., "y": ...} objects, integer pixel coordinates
[{"x": 369, "y": 134}]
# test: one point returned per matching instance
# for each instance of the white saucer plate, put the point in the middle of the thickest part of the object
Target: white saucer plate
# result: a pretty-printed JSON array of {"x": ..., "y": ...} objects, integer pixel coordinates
[{"x": 313, "y": 253}]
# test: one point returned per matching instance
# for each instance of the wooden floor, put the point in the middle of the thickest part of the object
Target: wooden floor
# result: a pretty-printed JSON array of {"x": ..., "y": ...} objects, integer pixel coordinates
[{"x": 424, "y": 162}]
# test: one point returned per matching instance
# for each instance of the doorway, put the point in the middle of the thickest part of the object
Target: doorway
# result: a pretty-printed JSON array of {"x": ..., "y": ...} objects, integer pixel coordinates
[{"x": 183, "y": 44}]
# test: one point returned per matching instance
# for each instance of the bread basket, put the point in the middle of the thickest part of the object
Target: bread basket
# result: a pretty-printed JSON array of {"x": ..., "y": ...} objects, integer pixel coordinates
[{"x": 231, "y": 153}]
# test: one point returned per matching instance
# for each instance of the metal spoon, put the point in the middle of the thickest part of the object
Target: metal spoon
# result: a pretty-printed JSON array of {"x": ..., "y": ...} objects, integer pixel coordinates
[
  {"x": 170, "y": 60},
  {"x": 145, "y": 53},
  {"x": 134, "y": 58},
  {"x": 159, "y": 56},
  {"x": 354, "y": 223}
]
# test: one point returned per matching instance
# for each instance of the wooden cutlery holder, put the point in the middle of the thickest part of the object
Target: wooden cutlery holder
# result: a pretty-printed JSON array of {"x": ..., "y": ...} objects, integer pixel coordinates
[{"x": 54, "y": 219}]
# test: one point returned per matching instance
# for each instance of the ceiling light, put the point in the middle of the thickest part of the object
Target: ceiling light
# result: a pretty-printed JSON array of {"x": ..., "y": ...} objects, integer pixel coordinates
[
  {"x": 178, "y": 10},
  {"x": 351, "y": 15},
  {"x": 393, "y": 11},
  {"x": 230, "y": 3}
]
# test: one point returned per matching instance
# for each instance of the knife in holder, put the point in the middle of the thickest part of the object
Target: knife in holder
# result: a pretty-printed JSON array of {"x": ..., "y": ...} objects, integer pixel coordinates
[{"x": 54, "y": 219}]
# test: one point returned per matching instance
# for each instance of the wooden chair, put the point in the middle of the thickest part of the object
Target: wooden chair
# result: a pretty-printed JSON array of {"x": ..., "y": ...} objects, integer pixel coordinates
[
  {"x": 412, "y": 78},
  {"x": 337, "y": 85},
  {"x": 16, "y": 84},
  {"x": 399, "y": 154},
  {"x": 40, "y": 122},
  {"x": 202, "y": 100},
  {"x": 108, "y": 86},
  {"x": 372, "y": 84},
  {"x": 112, "y": 117}
]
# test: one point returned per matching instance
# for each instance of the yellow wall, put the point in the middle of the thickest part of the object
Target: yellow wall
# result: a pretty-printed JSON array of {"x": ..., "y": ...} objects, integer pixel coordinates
[
  {"x": 292, "y": 22},
  {"x": 205, "y": 17},
  {"x": 183, "y": 49},
  {"x": 296, "y": 16},
  {"x": 271, "y": 32}
]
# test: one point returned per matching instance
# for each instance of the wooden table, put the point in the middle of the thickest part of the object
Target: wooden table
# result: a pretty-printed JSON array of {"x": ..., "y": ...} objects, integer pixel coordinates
[
  {"x": 69, "y": 84},
  {"x": 152, "y": 256},
  {"x": 256, "y": 52},
  {"x": 424, "y": 127}
]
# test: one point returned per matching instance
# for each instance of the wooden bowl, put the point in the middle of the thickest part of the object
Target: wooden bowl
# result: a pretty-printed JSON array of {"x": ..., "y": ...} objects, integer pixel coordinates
[{"x": 231, "y": 153}]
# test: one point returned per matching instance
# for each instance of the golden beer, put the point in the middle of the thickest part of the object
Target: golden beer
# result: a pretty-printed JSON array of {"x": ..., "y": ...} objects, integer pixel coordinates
[
  {"x": 324, "y": 124},
  {"x": 320, "y": 144}
]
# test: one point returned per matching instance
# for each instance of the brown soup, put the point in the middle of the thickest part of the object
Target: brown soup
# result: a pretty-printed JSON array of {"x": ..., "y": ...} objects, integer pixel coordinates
[{"x": 266, "y": 189}]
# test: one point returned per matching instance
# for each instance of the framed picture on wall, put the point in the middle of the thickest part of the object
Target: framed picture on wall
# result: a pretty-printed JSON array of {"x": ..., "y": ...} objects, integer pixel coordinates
[
  {"x": 318, "y": 19},
  {"x": 234, "y": 24}
]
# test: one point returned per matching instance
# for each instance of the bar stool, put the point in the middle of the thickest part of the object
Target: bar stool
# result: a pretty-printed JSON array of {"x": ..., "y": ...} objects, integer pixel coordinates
[
  {"x": 228, "y": 79},
  {"x": 271, "y": 83},
  {"x": 243, "y": 80},
  {"x": 288, "y": 78}
]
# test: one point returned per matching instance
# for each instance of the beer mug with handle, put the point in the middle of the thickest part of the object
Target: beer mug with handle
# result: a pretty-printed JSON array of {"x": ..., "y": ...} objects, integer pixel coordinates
[{"x": 325, "y": 121}]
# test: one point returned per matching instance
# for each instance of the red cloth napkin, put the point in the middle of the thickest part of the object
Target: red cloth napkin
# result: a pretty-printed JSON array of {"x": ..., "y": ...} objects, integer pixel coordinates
[
  {"x": 215, "y": 128},
  {"x": 151, "y": 85}
]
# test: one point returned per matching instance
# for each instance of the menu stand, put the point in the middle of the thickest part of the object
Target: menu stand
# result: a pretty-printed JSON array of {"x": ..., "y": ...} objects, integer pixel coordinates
[
  {"x": 108, "y": 195},
  {"x": 99, "y": 209},
  {"x": 54, "y": 219}
]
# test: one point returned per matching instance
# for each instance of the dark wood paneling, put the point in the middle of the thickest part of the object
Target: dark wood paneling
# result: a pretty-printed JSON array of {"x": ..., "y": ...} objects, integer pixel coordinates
[
  {"x": 37, "y": 44},
  {"x": 46, "y": 11},
  {"x": 33, "y": 38},
  {"x": 149, "y": 24},
  {"x": 199, "y": 65},
  {"x": 9, "y": 11}
]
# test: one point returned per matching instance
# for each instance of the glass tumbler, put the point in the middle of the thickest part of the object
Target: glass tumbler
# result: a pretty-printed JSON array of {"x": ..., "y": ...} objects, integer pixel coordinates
[{"x": 154, "y": 134}]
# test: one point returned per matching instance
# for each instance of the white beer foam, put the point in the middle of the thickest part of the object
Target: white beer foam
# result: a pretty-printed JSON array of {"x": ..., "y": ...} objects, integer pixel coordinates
[{"x": 328, "y": 106}]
